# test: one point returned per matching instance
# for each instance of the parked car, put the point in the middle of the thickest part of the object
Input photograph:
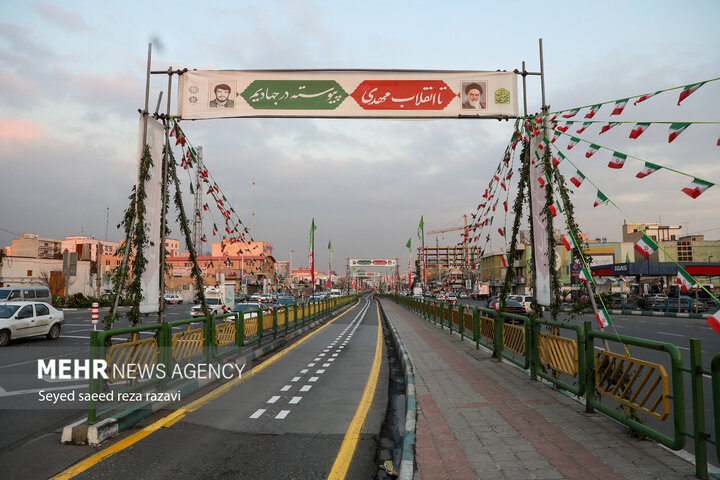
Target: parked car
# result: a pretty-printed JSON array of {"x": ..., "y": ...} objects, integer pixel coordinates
[
  {"x": 463, "y": 295},
  {"x": 27, "y": 319},
  {"x": 451, "y": 297},
  {"x": 441, "y": 296},
  {"x": 511, "y": 306},
  {"x": 26, "y": 293},
  {"x": 216, "y": 306},
  {"x": 525, "y": 300},
  {"x": 173, "y": 298}
]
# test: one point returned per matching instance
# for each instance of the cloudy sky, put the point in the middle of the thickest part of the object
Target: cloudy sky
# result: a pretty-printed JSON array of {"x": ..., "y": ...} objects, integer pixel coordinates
[{"x": 72, "y": 78}]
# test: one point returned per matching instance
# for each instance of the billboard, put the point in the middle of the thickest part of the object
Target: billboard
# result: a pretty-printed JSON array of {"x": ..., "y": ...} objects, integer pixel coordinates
[
  {"x": 346, "y": 94},
  {"x": 364, "y": 262}
]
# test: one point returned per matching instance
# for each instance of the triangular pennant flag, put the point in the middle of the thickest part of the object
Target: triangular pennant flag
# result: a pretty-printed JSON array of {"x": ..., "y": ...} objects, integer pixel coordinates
[
  {"x": 555, "y": 208},
  {"x": 557, "y": 160},
  {"x": 603, "y": 318},
  {"x": 544, "y": 180},
  {"x": 578, "y": 178},
  {"x": 556, "y": 135},
  {"x": 571, "y": 113},
  {"x": 617, "y": 160},
  {"x": 690, "y": 89},
  {"x": 504, "y": 260},
  {"x": 639, "y": 129},
  {"x": 584, "y": 126},
  {"x": 646, "y": 246},
  {"x": 601, "y": 198},
  {"x": 645, "y": 97},
  {"x": 685, "y": 280},
  {"x": 714, "y": 322},
  {"x": 501, "y": 231},
  {"x": 676, "y": 129},
  {"x": 573, "y": 142},
  {"x": 697, "y": 187},
  {"x": 593, "y": 110},
  {"x": 564, "y": 128},
  {"x": 607, "y": 127},
  {"x": 585, "y": 275},
  {"x": 203, "y": 238},
  {"x": 591, "y": 150},
  {"x": 568, "y": 242},
  {"x": 648, "y": 169},
  {"x": 620, "y": 106}
]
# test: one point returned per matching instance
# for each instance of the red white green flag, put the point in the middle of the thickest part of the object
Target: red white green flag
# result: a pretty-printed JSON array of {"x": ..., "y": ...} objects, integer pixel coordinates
[
  {"x": 645, "y": 97},
  {"x": 568, "y": 242},
  {"x": 571, "y": 113},
  {"x": 646, "y": 246},
  {"x": 648, "y": 169},
  {"x": 215, "y": 230},
  {"x": 714, "y": 322},
  {"x": 697, "y": 187},
  {"x": 603, "y": 318},
  {"x": 593, "y": 110},
  {"x": 564, "y": 128},
  {"x": 573, "y": 142},
  {"x": 311, "y": 252},
  {"x": 584, "y": 126},
  {"x": 584, "y": 275},
  {"x": 685, "y": 280},
  {"x": 607, "y": 127},
  {"x": 557, "y": 160},
  {"x": 690, "y": 89},
  {"x": 577, "y": 179},
  {"x": 639, "y": 129},
  {"x": 601, "y": 198},
  {"x": 501, "y": 231},
  {"x": 617, "y": 160},
  {"x": 504, "y": 260},
  {"x": 554, "y": 209},
  {"x": 591, "y": 150},
  {"x": 556, "y": 135},
  {"x": 544, "y": 180},
  {"x": 676, "y": 129},
  {"x": 620, "y": 106}
]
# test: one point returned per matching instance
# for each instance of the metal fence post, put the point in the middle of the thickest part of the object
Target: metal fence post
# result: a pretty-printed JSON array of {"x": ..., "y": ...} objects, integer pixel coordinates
[
  {"x": 208, "y": 325},
  {"x": 274, "y": 312},
  {"x": 240, "y": 330},
  {"x": 498, "y": 346},
  {"x": 476, "y": 327},
  {"x": 696, "y": 372},
  {"x": 461, "y": 320},
  {"x": 259, "y": 325},
  {"x": 589, "y": 369},
  {"x": 534, "y": 353},
  {"x": 442, "y": 315},
  {"x": 164, "y": 340},
  {"x": 287, "y": 318}
]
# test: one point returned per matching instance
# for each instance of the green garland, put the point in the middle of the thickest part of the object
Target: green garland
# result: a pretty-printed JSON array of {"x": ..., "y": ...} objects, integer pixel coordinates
[{"x": 552, "y": 254}]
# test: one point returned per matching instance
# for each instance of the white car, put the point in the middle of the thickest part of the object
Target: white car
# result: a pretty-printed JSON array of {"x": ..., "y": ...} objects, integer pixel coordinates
[
  {"x": 27, "y": 319},
  {"x": 525, "y": 301},
  {"x": 173, "y": 298},
  {"x": 215, "y": 305}
]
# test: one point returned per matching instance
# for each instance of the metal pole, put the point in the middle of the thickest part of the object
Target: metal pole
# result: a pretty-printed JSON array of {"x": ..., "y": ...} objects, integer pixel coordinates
[
  {"x": 163, "y": 216},
  {"x": 524, "y": 75},
  {"x": 542, "y": 78},
  {"x": 132, "y": 223}
]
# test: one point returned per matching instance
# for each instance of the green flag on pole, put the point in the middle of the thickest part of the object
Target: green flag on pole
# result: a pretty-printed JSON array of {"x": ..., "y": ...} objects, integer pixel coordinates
[
  {"x": 409, "y": 244},
  {"x": 311, "y": 255},
  {"x": 420, "y": 228}
]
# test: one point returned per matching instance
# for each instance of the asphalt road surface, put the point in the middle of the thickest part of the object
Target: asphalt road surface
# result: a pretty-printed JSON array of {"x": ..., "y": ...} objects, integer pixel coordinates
[{"x": 288, "y": 418}]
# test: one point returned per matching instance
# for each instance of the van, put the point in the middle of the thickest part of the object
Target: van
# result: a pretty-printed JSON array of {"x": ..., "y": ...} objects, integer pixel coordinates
[{"x": 25, "y": 293}]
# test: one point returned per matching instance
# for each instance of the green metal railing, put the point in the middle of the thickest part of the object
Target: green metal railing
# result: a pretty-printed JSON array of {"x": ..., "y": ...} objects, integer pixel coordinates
[
  {"x": 633, "y": 384},
  {"x": 206, "y": 339}
]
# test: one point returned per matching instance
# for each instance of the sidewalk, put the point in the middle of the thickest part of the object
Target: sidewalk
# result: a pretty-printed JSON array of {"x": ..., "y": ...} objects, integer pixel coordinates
[{"x": 478, "y": 418}]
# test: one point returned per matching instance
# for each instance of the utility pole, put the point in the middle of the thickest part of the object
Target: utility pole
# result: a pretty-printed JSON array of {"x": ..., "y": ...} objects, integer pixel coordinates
[{"x": 197, "y": 221}]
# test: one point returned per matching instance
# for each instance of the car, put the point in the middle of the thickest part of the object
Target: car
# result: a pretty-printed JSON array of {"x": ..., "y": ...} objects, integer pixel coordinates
[
  {"x": 285, "y": 300},
  {"x": 27, "y": 319},
  {"x": 173, "y": 298},
  {"x": 463, "y": 295},
  {"x": 511, "y": 306},
  {"x": 265, "y": 298},
  {"x": 241, "y": 297},
  {"x": 441, "y": 297},
  {"x": 451, "y": 297},
  {"x": 215, "y": 305},
  {"x": 525, "y": 300},
  {"x": 27, "y": 293}
]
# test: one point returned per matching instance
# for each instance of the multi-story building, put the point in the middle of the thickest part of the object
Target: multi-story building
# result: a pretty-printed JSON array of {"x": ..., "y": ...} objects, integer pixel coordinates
[{"x": 31, "y": 245}]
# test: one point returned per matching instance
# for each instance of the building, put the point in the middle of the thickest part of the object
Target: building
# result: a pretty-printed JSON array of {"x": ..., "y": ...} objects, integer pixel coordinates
[
  {"x": 47, "y": 272},
  {"x": 88, "y": 248},
  {"x": 32, "y": 246}
]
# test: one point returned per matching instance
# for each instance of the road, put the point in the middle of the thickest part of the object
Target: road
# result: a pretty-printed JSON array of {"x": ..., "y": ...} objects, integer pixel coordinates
[{"x": 287, "y": 418}]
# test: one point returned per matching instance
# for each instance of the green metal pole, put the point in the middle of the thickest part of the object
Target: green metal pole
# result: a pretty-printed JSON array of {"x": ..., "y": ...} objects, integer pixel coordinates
[
  {"x": 701, "y": 468},
  {"x": 442, "y": 315},
  {"x": 476, "y": 327},
  {"x": 260, "y": 326},
  {"x": 240, "y": 330},
  {"x": 461, "y": 320},
  {"x": 498, "y": 345},
  {"x": 534, "y": 353},
  {"x": 589, "y": 369},
  {"x": 287, "y": 319},
  {"x": 274, "y": 310}
]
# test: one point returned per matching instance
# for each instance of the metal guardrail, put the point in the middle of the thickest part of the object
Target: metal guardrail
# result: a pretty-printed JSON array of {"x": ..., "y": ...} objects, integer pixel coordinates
[{"x": 634, "y": 384}]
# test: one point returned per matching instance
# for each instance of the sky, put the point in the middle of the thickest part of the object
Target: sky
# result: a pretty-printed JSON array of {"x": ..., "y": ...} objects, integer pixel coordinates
[{"x": 72, "y": 78}]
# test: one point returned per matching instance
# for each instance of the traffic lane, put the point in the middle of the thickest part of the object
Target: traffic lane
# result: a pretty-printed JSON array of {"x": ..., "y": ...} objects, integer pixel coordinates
[{"x": 220, "y": 439}]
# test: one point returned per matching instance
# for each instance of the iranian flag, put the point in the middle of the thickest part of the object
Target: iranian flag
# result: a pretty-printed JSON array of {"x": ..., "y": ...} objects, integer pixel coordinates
[
  {"x": 617, "y": 160},
  {"x": 504, "y": 260},
  {"x": 601, "y": 198},
  {"x": 593, "y": 110},
  {"x": 607, "y": 127},
  {"x": 591, "y": 150},
  {"x": 690, "y": 89},
  {"x": 697, "y": 187},
  {"x": 568, "y": 242},
  {"x": 620, "y": 106},
  {"x": 584, "y": 275},
  {"x": 685, "y": 280},
  {"x": 603, "y": 318},
  {"x": 557, "y": 160},
  {"x": 571, "y": 113},
  {"x": 573, "y": 142},
  {"x": 311, "y": 253},
  {"x": 556, "y": 135},
  {"x": 555, "y": 208},
  {"x": 714, "y": 322},
  {"x": 676, "y": 129},
  {"x": 645, "y": 97},
  {"x": 215, "y": 230},
  {"x": 578, "y": 178},
  {"x": 501, "y": 231},
  {"x": 646, "y": 246},
  {"x": 544, "y": 180},
  {"x": 648, "y": 169},
  {"x": 565, "y": 127},
  {"x": 639, "y": 129},
  {"x": 584, "y": 126}
]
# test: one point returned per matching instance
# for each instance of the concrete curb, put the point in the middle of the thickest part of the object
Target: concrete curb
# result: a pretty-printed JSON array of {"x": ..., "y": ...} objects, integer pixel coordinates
[
  {"x": 80, "y": 433},
  {"x": 407, "y": 462},
  {"x": 650, "y": 313}
]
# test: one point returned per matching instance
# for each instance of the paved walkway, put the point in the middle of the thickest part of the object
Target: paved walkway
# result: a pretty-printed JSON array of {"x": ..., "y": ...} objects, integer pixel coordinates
[{"x": 478, "y": 418}]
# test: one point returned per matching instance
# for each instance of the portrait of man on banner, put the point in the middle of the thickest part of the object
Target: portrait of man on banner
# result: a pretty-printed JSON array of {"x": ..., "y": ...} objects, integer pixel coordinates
[
  {"x": 474, "y": 95},
  {"x": 223, "y": 96}
]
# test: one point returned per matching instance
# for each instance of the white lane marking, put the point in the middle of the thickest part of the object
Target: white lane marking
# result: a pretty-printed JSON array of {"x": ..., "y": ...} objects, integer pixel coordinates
[
  {"x": 671, "y": 334},
  {"x": 258, "y": 413},
  {"x": 305, "y": 388},
  {"x": 326, "y": 365},
  {"x": 304, "y": 370},
  {"x": 311, "y": 365},
  {"x": 334, "y": 354},
  {"x": 295, "y": 400},
  {"x": 282, "y": 414},
  {"x": 285, "y": 388},
  {"x": 321, "y": 371},
  {"x": 295, "y": 379},
  {"x": 321, "y": 355},
  {"x": 313, "y": 379},
  {"x": 317, "y": 359},
  {"x": 5, "y": 393},
  {"x": 331, "y": 359},
  {"x": 273, "y": 399}
]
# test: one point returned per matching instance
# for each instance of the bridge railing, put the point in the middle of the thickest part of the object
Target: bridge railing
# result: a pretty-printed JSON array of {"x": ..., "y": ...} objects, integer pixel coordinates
[{"x": 638, "y": 393}]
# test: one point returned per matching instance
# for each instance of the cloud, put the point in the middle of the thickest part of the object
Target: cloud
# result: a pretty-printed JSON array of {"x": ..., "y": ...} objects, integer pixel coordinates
[{"x": 67, "y": 19}]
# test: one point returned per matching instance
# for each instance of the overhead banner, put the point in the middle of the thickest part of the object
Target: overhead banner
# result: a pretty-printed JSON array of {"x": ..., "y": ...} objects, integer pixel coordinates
[
  {"x": 358, "y": 262},
  {"x": 541, "y": 247},
  {"x": 346, "y": 94}
]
